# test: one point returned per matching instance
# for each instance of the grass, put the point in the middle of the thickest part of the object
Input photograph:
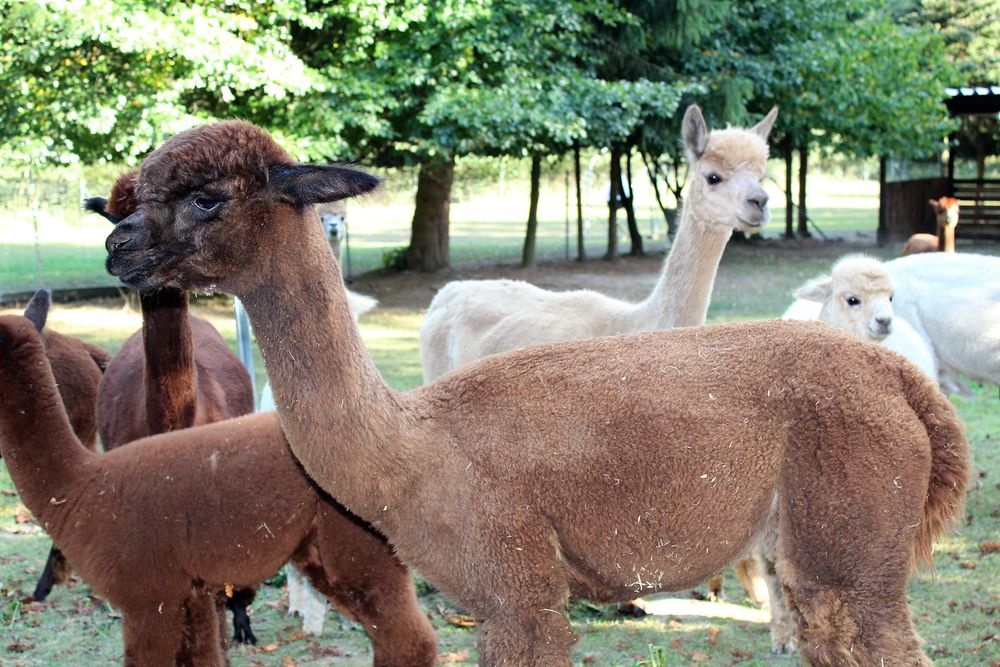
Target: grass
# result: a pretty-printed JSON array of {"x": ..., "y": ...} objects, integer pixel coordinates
[{"x": 955, "y": 608}]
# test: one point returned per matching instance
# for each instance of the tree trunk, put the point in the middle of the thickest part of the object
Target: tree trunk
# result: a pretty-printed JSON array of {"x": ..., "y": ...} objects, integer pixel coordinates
[
  {"x": 428, "y": 249},
  {"x": 786, "y": 151},
  {"x": 803, "y": 212},
  {"x": 528, "y": 252},
  {"x": 882, "y": 234},
  {"x": 581, "y": 252},
  {"x": 628, "y": 201},
  {"x": 614, "y": 196}
]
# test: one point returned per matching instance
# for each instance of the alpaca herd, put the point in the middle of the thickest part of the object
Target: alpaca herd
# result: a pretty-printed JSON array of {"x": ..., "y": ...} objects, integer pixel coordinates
[{"x": 601, "y": 468}]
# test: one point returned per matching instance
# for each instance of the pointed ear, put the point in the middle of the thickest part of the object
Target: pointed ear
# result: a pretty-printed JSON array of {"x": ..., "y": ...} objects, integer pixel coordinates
[
  {"x": 37, "y": 309},
  {"x": 694, "y": 131},
  {"x": 935, "y": 205},
  {"x": 99, "y": 205},
  {"x": 817, "y": 289},
  {"x": 763, "y": 128},
  {"x": 314, "y": 184}
]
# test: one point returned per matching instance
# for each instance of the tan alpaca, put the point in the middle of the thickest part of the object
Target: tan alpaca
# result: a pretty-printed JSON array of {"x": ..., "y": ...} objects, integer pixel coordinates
[
  {"x": 602, "y": 468},
  {"x": 946, "y": 212},
  {"x": 469, "y": 319}
]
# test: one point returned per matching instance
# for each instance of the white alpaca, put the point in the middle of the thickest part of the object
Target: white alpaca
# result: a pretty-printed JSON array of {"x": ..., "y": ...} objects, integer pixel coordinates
[
  {"x": 470, "y": 319},
  {"x": 303, "y": 599},
  {"x": 857, "y": 296},
  {"x": 953, "y": 300}
]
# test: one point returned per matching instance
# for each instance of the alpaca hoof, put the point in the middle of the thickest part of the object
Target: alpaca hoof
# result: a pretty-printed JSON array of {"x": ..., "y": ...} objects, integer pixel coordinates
[
  {"x": 780, "y": 647},
  {"x": 244, "y": 635}
]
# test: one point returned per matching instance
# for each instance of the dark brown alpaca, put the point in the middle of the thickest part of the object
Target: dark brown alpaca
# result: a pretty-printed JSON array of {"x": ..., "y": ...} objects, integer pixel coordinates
[
  {"x": 77, "y": 367},
  {"x": 157, "y": 526},
  {"x": 187, "y": 374},
  {"x": 600, "y": 468}
]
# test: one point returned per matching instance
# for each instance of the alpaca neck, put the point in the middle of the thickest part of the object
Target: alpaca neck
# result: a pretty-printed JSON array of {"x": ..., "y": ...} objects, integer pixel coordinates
[
  {"x": 42, "y": 454},
  {"x": 946, "y": 238},
  {"x": 342, "y": 421},
  {"x": 171, "y": 377},
  {"x": 684, "y": 289}
]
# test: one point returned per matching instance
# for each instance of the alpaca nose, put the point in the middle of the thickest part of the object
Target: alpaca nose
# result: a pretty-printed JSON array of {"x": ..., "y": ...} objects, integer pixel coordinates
[
  {"x": 759, "y": 200},
  {"x": 884, "y": 323}
]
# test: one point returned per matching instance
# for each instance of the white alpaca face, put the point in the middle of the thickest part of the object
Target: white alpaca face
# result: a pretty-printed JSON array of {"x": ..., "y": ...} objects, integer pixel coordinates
[
  {"x": 860, "y": 301},
  {"x": 730, "y": 195}
]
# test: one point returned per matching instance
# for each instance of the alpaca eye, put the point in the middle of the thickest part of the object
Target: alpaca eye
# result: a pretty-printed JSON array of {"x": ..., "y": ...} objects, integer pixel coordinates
[
  {"x": 713, "y": 179},
  {"x": 853, "y": 301},
  {"x": 207, "y": 204}
]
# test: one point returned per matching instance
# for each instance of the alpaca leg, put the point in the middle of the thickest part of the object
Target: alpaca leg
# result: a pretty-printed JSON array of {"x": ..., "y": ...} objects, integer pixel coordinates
[
  {"x": 56, "y": 572},
  {"x": 520, "y": 637},
  {"x": 154, "y": 636},
  {"x": 784, "y": 630},
  {"x": 238, "y": 604},
  {"x": 203, "y": 644},
  {"x": 750, "y": 573},
  {"x": 356, "y": 569}
]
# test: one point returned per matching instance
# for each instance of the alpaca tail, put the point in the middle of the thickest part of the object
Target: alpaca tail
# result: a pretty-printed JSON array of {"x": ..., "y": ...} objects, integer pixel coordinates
[{"x": 950, "y": 462}]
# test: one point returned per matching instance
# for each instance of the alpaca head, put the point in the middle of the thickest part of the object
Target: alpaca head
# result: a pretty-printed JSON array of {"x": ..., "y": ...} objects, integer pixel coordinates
[
  {"x": 727, "y": 167},
  {"x": 207, "y": 201},
  {"x": 946, "y": 211},
  {"x": 856, "y": 296}
]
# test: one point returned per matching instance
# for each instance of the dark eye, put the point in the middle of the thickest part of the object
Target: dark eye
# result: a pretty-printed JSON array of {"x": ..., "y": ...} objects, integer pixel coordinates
[
  {"x": 713, "y": 179},
  {"x": 206, "y": 203},
  {"x": 853, "y": 301},
  {"x": 890, "y": 298}
]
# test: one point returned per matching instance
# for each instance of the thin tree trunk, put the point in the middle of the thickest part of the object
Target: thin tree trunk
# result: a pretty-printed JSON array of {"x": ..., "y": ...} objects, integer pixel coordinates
[
  {"x": 614, "y": 194},
  {"x": 787, "y": 153},
  {"x": 628, "y": 201},
  {"x": 528, "y": 252},
  {"x": 581, "y": 252},
  {"x": 803, "y": 229},
  {"x": 428, "y": 250}
]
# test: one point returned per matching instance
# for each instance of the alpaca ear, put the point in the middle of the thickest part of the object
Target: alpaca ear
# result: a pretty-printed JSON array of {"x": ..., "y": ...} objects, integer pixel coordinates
[
  {"x": 935, "y": 205},
  {"x": 314, "y": 184},
  {"x": 694, "y": 131},
  {"x": 817, "y": 289},
  {"x": 99, "y": 205},
  {"x": 763, "y": 128},
  {"x": 37, "y": 309}
]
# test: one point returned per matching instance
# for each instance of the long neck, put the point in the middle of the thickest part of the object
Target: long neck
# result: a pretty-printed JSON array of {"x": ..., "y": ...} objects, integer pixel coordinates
[
  {"x": 342, "y": 421},
  {"x": 171, "y": 377},
  {"x": 43, "y": 455},
  {"x": 946, "y": 237},
  {"x": 684, "y": 289}
]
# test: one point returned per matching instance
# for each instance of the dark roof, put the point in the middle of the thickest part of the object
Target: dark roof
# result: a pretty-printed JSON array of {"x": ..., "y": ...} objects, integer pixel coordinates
[{"x": 973, "y": 100}]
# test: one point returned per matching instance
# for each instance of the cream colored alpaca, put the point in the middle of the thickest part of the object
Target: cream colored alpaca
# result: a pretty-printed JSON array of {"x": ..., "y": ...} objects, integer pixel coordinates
[
  {"x": 599, "y": 469},
  {"x": 469, "y": 319},
  {"x": 946, "y": 213},
  {"x": 857, "y": 297}
]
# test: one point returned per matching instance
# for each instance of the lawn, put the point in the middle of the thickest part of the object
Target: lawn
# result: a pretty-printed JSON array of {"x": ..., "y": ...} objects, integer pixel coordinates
[{"x": 955, "y": 608}]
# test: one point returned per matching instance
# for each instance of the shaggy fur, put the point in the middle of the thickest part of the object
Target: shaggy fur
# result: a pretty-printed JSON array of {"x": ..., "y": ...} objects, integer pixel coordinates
[
  {"x": 469, "y": 319},
  {"x": 77, "y": 367},
  {"x": 953, "y": 301},
  {"x": 946, "y": 211},
  {"x": 141, "y": 523},
  {"x": 603, "y": 468}
]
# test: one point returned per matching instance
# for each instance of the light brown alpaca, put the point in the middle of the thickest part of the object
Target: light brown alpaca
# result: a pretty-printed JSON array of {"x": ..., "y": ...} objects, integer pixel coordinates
[
  {"x": 77, "y": 367},
  {"x": 602, "y": 468},
  {"x": 946, "y": 212},
  {"x": 141, "y": 523},
  {"x": 469, "y": 319}
]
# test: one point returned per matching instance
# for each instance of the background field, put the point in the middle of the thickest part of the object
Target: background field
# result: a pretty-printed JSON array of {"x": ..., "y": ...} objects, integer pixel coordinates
[{"x": 955, "y": 609}]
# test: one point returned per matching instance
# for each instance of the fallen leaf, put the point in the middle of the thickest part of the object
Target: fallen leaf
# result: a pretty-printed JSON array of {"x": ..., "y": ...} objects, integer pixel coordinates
[
  {"x": 460, "y": 620},
  {"x": 699, "y": 657},
  {"x": 288, "y": 661},
  {"x": 713, "y": 634},
  {"x": 18, "y": 647},
  {"x": 988, "y": 547},
  {"x": 452, "y": 658},
  {"x": 269, "y": 648},
  {"x": 967, "y": 565}
]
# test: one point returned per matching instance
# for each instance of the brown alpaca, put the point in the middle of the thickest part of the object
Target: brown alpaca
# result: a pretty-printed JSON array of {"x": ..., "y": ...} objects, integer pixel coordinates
[
  {"x": 600, "y": 468},
  {"x": 77, "y": 367},
  {"x": 141, "y": 523},
  {"x": 946, "y": 212}
]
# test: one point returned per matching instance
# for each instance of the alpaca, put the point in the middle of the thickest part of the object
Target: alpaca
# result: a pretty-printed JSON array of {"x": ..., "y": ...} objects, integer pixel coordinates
[
  {"x": 946, "y": 213},
  {"x": 601, "y": 468},
  {"x": 857, "y": 297},
  {"x": 175, "y": 372},
  {"x": 141, "y": 523},
  {"x": 77, "y": 367},
  {"x": 953, "y": 301},
  {"x": 469, "y": 319}
]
